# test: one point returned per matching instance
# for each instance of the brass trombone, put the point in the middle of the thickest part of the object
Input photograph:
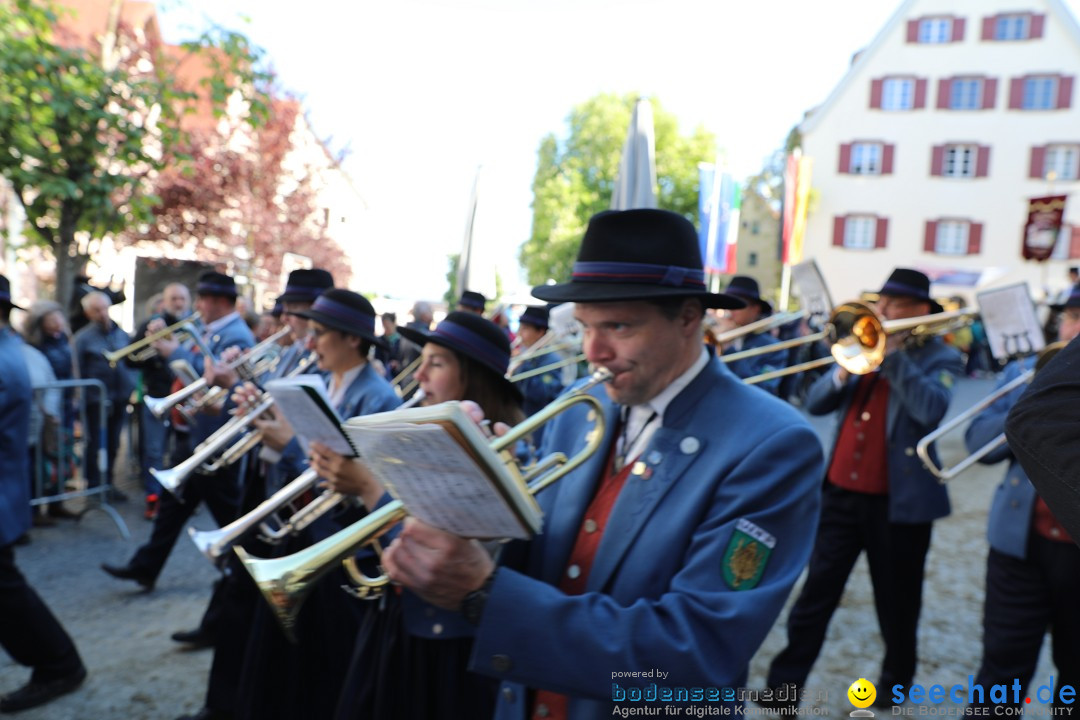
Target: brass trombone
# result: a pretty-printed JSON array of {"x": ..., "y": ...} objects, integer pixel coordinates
[
  {"x": 943, "y": 473},
  {"x": 286, "y": 581},
  {"x": 141, "y": 350},
  {"x": 765, "y": 324}
]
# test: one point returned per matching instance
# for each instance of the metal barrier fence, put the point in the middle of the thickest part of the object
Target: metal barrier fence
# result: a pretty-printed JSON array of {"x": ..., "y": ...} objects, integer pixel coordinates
[{"x": 62, "y": 449}]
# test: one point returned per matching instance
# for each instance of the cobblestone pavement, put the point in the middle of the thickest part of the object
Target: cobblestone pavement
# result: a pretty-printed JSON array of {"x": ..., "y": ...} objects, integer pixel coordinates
[{"x": 137, "y": 672}]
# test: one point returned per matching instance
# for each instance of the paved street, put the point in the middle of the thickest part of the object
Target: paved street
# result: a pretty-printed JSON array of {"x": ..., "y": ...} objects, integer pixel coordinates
[{"x": 137, "y": 672}]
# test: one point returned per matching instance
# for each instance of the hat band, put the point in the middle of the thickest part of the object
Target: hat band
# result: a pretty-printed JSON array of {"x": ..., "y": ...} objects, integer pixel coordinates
[
  {"x": 215, "y": 288},
  {"x": 643, "y": 273},
  {"x": 311, "y": 292},
  {"x": 903, "y": 289},
  {"x": 492, "y": 356},
  {"x": 4, "y": 295},
  {"x": 350, "y": 316}
]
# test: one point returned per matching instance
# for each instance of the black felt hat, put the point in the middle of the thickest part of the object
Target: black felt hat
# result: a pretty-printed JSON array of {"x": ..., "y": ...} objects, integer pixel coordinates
[
  {"x": 637, "y": 255},
  {"x": 5, "y": 293},
  {"x": 344, "y": 310},
  {"x": 215, "y": 283},
  {"x": 473, "y": 336},
  {"x": 536, "y": 316},
  {"x": 905, "y": 282},
  {"x": 746, "y": 289},
  {"x": 1070, "y": 302},
  {"x": 306, "y": 285},
  {"x": 473, "y": 299}
]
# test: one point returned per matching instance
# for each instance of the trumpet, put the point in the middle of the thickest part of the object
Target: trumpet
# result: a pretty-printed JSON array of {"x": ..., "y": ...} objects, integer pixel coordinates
[
  {"x": 285, "y": 582},
  {"x": 943, "y": 473},
  {"x": 141, "y": 350}
]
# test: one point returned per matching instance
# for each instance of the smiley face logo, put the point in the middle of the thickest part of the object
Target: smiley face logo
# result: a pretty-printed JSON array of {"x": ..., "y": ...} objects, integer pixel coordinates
[{"x": 861, "y": 693}]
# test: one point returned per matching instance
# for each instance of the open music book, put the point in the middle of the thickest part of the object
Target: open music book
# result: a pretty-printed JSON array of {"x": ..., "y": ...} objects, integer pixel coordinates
[
  {"x": 438, "y": 463},
  {"x": 304, "y": 403}
]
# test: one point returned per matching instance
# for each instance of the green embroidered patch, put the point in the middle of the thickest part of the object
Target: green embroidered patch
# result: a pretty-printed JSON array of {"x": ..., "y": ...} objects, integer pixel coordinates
[
  {"x": 946, "y": 379},
  {"x": 746, "y": 555}
]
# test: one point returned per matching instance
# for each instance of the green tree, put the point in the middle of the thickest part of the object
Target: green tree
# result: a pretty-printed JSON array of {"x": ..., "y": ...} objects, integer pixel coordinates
[
  {"x": 575, "y": 178},
  {"x": 82, "y": 135}
]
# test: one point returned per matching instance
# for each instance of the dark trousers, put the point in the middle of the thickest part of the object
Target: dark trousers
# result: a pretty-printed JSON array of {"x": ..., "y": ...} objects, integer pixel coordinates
[
  {"x": 850, "y": 523},
  {"x": 29, "y": 632},
  {"x": 114, "y": 424},
  {"x": 1025, "y": 598}
]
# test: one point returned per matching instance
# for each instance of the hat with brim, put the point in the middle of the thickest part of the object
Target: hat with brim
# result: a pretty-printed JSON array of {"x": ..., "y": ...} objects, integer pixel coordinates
[
  {"x": 473, "y": 299},
  {"x": 637, "y": 255},
  {"x": 1072, "y": 301},
  {"x": 746, "y": 289},
  {"x": 5, "y": 294},
  {"x": 347, "y": 312},
  {"x": 535, "y": 316},
  {"x": 306, "y": 285},
  {"x": 473, "y": 336},
  {"x": 908, "y": 283}
]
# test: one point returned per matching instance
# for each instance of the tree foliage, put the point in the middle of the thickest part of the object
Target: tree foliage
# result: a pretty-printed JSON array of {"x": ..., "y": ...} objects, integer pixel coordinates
[
  {"x": 575, "y": 177},
  {"x": 81, "y": 137}
]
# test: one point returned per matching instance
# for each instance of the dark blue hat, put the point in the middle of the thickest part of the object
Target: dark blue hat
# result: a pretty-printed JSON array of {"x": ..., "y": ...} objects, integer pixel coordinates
[
  {"x": 473, "y": 336},
  {"x": 1070, "y": 302},
  {"x": 346, "y": 311},
  {"x": 746, "y": 288},
  {"x": 215, "y": 283},
  {"x": 637, "y": 255},
  {"x": 278, "y": 310},
  {"x": 5, "y": 293},
  {"x": 905, "y": 282},
  {"x": 473, "y": 299},
  {"x": 306, "y": 285},
  {"x": 535, "y": 316}
]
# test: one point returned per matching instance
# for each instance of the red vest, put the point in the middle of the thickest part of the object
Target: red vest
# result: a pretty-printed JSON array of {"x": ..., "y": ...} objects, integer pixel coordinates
[{"x": 861, "y": 459}]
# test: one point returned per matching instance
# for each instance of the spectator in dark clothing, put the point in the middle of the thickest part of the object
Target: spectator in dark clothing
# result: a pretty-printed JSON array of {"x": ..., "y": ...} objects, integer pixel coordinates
[
  {"x": 82, "y": 289},
  {"x": 390, "y": 356}
]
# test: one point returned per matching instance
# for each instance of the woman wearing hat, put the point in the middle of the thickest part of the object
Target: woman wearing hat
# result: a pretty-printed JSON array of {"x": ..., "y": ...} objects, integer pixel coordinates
[{"x": 422, "y": 673}]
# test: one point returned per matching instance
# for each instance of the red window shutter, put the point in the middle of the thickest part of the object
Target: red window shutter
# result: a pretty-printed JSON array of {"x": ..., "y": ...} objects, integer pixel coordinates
[
  {"x": 838, "y": 230},
  {"x": 1065, "y": 87},
  {"x": 845, "y": 158},
  {"x": 975, "y": 238},
  {"x": 920, "y": 93},
  {"x": 943, "y": 87},
  {"x": 982, "y": 161},
  {"x": 876, "y": 90},
  {"x": 1038, "y": 162},
  {"x": 1074, "y": 242},
  {"x": 937, "y": 161},
  {"x": 930, "y": 238},
  {"x": 912, "y": 31},
  {"x": 989, "y": 25},
  {"x": 958, "y": 29},
  {"x": 882, "y": 233},
  {"x": 887, "y": 152},
  {"x": 1016, "y": 93},
  {"x": 989, "y": 93},
  {"x": 1037, "y": 23}
]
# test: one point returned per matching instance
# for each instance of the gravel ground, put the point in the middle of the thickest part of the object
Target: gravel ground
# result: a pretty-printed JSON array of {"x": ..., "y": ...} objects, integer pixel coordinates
[{"x": 137, "y": 672}]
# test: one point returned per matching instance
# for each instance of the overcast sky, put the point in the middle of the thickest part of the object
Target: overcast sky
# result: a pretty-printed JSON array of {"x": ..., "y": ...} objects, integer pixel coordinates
[{"x": 424, "y": 92}]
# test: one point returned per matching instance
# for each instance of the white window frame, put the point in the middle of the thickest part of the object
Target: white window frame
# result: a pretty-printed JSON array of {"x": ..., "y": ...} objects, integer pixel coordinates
[
  {"x": 1041, "y": 96},
  {"x": 1063, "y": 161},
  {"x": 860, "y": 232},
  {"x": 935, "y": 30},
  {"x": 959, "y": 161},
  {"x": 898, "y": 93},
  {"x": 951, "y": 237},
  {"x": 867, "y": 158},
  {"x": 965, "y": 93},
  {"x": 1012, "y": 26}
]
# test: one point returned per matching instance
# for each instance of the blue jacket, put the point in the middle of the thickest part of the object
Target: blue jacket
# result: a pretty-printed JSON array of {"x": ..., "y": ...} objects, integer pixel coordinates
[
  {"x": 1014, "y": 502},
  {"x": 58, "y": 351},
  {"x": 15, "y": 400},
  {"x": 748, "y": 367},
  {"x": 235, "y": 333},
  {"x": 657, "y": 594},
  {"x": 920, "y": 389},
  {"x": 539, "y": 390}
]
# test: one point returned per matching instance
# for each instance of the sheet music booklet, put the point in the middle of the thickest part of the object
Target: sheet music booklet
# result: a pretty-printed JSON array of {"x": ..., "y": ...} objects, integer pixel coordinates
[
  {"x": 304, "y": 403},
  {"x": 438, "y": 463}
]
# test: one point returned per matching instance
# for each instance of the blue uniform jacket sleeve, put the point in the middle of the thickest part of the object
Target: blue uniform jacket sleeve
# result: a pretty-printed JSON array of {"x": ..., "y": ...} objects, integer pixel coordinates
[
  {"x": 990, "y": 423},
  {"x": 824, "y": 396},
  {"x": 923, "y": 389}
]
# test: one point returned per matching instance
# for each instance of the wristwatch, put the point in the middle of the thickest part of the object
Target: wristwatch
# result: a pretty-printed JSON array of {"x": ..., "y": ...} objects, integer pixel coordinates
[{"x": 472, "y": 607}]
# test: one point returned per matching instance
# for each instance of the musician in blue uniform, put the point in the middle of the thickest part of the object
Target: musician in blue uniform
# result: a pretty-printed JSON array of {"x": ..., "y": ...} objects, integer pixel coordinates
[
  {"x": 472, "y": 301},
  {"x": 746, "y": 289},
  {"x": 29, "y": 632},
  {"x": 1033, "y": 568},
  {"x": 671, "y": 549},
  {"x": 542, "y": 370}
]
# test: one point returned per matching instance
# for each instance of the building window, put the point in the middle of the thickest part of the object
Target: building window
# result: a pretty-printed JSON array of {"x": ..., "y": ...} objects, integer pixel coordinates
[
  {"x": 752, "y": 261},
  {"x": 1012, "y": 27},
  {"x": 898, "y": 94},
  {"x": 952, "y": 237},
  {"x": 965, "y": 94},
  {"x": 959, "y": 161},
  {"x": 859, "y": 232},
  {"x": 935, "y": 30},
  {"x": 866, "y": 158},
  {"x": 1040, "y": 93},
  {"x": 1062, "y": 161}
]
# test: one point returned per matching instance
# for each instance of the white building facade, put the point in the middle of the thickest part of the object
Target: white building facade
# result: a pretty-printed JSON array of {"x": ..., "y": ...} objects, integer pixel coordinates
[{"x": 927, "y": 152}]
